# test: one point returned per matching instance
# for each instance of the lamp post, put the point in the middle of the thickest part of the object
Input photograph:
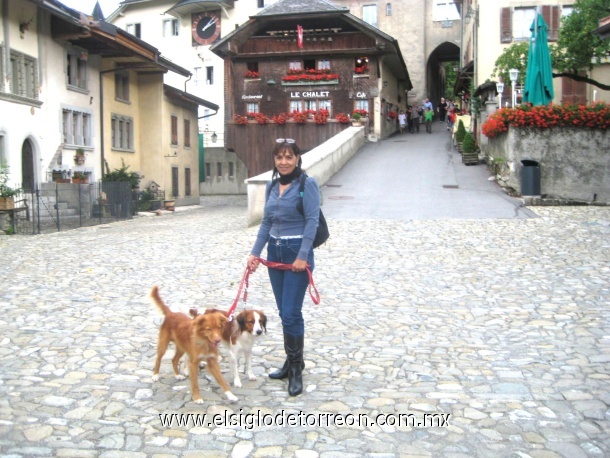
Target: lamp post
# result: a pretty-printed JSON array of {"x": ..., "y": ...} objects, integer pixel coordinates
[
  {"x": 514, "y": 74},
  {"x": 500, "y": 89}
]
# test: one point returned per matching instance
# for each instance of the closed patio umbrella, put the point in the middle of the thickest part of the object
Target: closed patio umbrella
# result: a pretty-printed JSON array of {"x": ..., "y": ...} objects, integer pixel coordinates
[{"x": 539, "y": 76}]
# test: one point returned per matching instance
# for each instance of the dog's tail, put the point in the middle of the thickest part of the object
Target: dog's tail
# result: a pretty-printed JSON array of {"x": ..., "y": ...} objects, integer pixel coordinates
[{"x": 154, "y": 295}]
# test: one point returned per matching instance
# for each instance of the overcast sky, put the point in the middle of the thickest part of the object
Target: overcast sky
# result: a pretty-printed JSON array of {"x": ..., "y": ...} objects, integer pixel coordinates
[{"x": 86, "y": 6}]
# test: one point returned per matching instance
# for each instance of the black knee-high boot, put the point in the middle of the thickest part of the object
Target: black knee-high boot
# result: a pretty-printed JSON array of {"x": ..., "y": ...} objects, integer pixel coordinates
[
  {"x": 294, "y": 350},
  {"x": 282, "y": 373}
]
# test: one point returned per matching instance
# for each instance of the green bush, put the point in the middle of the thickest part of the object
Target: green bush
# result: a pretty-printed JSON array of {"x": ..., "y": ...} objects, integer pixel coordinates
[
  {"x": 468, "y": 144},
  {"x": 122, "y": 175},
  {"x": 460, "y": 132}
]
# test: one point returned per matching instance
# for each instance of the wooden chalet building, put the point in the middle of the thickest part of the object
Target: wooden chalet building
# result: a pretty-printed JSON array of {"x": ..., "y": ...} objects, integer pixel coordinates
[{"x": 306, "y": 58}]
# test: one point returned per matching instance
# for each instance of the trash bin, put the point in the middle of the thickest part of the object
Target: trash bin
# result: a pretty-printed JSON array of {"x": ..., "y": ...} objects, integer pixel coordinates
[{"x": 530, "y": 178}]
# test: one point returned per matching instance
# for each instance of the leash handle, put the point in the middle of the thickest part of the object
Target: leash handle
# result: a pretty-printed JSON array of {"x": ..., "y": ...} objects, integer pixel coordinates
[{"x": 243, "y": 285}]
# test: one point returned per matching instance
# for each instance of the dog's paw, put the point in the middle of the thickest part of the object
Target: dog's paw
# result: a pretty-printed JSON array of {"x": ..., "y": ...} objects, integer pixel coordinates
[
  {"x": 180, "y": 377},
  {"x": 251, "y": 377},
  {"x": 155, "y": 378},
  {"x": 231, "y": 397},
  {"x": 198, "y": 401},
  {"x": 237, "y": 382}
]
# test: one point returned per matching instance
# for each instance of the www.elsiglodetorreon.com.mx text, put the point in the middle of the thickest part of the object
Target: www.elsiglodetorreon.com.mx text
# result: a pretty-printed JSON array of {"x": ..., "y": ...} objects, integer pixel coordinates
[{"x": 259, "y": 419}]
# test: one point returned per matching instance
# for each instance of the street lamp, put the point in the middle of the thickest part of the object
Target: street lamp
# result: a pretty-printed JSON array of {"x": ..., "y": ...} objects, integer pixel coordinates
[
  {"x": 472, "y": 13},
  {"x": 214, "y": 137},
  {"x": 513, "y": 74},
  {"x": 500, "y": 89}
]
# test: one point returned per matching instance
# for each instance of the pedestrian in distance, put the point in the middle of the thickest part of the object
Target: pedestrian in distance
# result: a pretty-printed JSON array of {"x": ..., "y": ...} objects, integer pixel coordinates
[
  {"x": 428, "y": 115},
  {"x": 418, "y": 114},
  {"x": 442, "y": 110},
  {"x": 288, "y": 228},
  {"x": 402, "y": 121}
]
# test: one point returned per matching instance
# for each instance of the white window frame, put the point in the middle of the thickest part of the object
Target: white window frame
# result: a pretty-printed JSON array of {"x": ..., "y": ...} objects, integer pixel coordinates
[
  {"x": 24, "y": 75},
  {"x": 252, "y": 107},
  {"x": 209, "y": 75},
  {"x": 362, "y": 104},
  {"x": 369, "y": 14},
  {"x": 171, "y": 28},
  {"x": 122, "y": 132},
  {"x": 135, "y": 29},
  {"x": 326, "y": 105},
  {"x": 388, "y": 9},
  {"x": 443, "y": 10},
  {"x": 121, "y": 86},
  {"x": 295, "y": 65},
  {"x": 323, "y": 64},
  {"x": 522, "y": 21},
  {"x": 295, "y": 105},
  {"x": 77, "y": 126},
  {"x": 197, "y": 72}
]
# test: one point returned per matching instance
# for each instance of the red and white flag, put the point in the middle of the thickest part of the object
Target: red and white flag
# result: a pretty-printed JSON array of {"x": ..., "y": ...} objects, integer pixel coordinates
[{"x": 299, "y": 36}]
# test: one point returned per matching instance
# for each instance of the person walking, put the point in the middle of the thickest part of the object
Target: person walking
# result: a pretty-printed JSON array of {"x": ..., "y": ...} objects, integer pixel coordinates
[
  {"x": 418, "y": 114},
  {"x": 428, "y": 115},
  {"x": 442, "y": 110},
  {"x": 402, "y": 121},
  {"x": 288, "y": 228}
]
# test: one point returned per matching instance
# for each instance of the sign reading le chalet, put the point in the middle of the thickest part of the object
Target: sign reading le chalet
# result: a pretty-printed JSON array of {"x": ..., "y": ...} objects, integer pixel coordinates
[{"x": 312, "y": 94}]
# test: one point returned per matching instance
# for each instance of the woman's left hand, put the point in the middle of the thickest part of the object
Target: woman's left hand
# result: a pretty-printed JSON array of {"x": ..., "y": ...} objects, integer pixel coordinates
[{"x": 299, "y": 265}]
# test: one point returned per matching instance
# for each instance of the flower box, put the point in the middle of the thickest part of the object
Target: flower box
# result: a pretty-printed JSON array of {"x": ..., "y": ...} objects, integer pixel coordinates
[{"x": 7, "y": 203}]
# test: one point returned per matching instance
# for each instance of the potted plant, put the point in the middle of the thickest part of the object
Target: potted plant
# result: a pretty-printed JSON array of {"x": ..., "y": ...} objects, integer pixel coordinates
[
  {"x": 470, "y": 154},
  {"x": 459, "y": 135},
  {"x": 342, "y": 118},
  {"x": 356, "y": 117},
  {"x": 61, "y": 176},
  {"x": 7, "y": 193},
  {"x": 79, "y": 156},
  {"x": 80, "y": 177}
]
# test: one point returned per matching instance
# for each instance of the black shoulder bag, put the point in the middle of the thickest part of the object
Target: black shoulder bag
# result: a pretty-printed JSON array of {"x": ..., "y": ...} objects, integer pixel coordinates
[{"x": 322, "y": 233}]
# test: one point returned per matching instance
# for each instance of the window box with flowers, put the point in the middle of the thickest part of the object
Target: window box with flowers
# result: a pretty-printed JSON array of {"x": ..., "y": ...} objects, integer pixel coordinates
[
  {"x": 80, "y": 177},
  {"x": 342, "y": 118},
  {"x": 300, "y": 117},
  {"x": 310, "y": 77},
  {"x": 79, "y": 156},
  {"x": 281, "y": 118},
  {"x": 240, "y": 120},
  {"x": 252, "y": 74}
]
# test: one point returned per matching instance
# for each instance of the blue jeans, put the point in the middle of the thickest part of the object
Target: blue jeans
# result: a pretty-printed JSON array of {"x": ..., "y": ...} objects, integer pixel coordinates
[{"x": 288, "y": 287}]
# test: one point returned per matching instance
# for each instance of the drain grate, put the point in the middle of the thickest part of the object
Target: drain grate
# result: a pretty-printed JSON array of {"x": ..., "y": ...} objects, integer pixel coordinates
[
  {"x": 333, "y": 185},
  {"x": 450, "y": 186},
  {"x": 340, "y": 197}
]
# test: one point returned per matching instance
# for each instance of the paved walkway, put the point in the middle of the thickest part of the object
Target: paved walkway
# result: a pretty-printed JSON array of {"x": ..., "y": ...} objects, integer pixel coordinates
[{"x": 435, "y": 338}]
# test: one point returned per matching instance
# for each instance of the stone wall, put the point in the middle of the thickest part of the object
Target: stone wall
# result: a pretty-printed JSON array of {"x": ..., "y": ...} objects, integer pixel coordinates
[{"x": 574, "y": 163}]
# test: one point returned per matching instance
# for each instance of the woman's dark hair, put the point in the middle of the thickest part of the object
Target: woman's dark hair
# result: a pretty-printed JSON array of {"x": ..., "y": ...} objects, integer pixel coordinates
[{"x": 286, "y": 146}]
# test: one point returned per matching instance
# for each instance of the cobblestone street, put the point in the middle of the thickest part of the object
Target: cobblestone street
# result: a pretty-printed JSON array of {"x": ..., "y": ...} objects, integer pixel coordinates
[{"x": 501, "y": 327}]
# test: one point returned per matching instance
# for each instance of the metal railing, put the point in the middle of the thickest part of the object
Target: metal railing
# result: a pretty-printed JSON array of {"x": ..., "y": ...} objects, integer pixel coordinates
[{"x": 54, "y": 207}]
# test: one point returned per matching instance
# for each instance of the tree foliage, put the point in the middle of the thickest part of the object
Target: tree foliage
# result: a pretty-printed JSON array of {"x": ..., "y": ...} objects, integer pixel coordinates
[{"x": 577, "y": 48}]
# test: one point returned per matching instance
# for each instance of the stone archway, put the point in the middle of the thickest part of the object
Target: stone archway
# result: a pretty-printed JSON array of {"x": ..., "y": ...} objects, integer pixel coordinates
[
  {"x": 435, "y": 78},
  {"x": 28, "y": 177}
]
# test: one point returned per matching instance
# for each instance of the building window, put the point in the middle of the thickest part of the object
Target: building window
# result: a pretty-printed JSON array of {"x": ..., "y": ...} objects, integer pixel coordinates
[
  {"x": 252, "y": 107},
  {"x": 170, "y": 27},
  {"x": 309, "y": 64},
  {"x": 208, "y": 170},
  {"x": 197, "y": 76},
  {"x": 209, "y": 75},
  {"x": 135, "y": 29},
  {"x": 24, "y": 75},
  {"x": 76, "y": 71},
  {"x": 3, "y": 157},
  {"x": 175, "y": 182},
  {"x": 361, "y": 65},
  {"x": 122, "y": 132},
  {"x": 323, "y": 64},
  {"x": 388, "y": 9},
  {"x": 295, "y": 65},
  {"x": 231, "y": 169},
  {"x": 443, "y": 10},
  {"x": 76, "y": 127},
  {"x": 219, "y": 169},
  {"x": 296, "y": 105},
  {"x": 361, "y": 105},
  {"x": 522, "y": 21},
  {"x": 566, "y": 10},
  {"x": 187, "y": 133},
  {"x": 121, "y": 86},
  {"x": 261, "y": 3},
  {"x": 369, "y": 14},
  {"x": 187, "y": 181},
  {"x": 325, "y": 105},
  {"x": 252, "y": 66},
  {"x": 310, "y": 105},
  {"x": 174, "y": 130}
]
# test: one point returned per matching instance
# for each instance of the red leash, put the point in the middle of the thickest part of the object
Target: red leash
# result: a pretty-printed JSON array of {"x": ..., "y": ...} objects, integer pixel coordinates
[{"x": 243, "y": 285}]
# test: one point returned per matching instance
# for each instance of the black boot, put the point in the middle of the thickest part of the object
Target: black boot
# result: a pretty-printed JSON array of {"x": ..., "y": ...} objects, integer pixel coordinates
[
  {"x": 294, "y": 350},
  {"x": 282, "y": 373}
]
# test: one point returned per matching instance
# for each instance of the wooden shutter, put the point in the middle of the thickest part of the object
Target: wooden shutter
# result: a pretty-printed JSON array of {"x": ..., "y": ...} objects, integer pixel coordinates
[
  {"x": 573, "y": 91},
  {"x": 552, "y": 17},
  {"x": 506, "y": 32}
]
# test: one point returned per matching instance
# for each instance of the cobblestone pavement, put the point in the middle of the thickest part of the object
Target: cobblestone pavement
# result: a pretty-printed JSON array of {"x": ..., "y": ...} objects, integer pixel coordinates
[{"x": 493, "y": 335}]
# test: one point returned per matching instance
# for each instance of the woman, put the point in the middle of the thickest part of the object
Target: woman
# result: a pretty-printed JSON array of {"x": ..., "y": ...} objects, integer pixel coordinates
[{"x": 288, "y": 228}]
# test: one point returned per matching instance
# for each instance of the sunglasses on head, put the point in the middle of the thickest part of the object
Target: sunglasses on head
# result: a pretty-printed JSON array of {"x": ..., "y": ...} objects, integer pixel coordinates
[{"x": 285, "y": 140}]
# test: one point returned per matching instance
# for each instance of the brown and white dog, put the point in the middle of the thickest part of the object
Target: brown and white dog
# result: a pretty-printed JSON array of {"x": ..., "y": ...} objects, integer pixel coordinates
[
  {"x": 239, "y": 335},
  {"x": 198, "y": 338}
]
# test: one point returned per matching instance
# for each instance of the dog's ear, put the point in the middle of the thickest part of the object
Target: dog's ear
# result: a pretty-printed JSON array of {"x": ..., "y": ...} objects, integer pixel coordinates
[
  {"x": 263, "y": 321},
  {"x": 194, "y": 312},
  {"x": 241, "y": 321}
]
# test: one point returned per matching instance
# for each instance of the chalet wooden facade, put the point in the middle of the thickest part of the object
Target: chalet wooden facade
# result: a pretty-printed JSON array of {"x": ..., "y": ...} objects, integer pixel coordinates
[{"x": 309, "y": 60}]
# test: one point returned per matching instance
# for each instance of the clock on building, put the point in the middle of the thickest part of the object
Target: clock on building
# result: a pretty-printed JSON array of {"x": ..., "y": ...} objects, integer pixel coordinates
[{"x": 206, "y": 28}]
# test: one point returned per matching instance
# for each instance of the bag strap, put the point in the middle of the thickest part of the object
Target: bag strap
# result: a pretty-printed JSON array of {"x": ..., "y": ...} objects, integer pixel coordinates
[
  {"x": 268, "y": 191},
  {"x": 302, "y": 179}
]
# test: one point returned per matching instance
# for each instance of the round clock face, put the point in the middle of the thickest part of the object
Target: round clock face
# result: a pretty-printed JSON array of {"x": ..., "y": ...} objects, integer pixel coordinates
[{"x": 206, "y": 28}]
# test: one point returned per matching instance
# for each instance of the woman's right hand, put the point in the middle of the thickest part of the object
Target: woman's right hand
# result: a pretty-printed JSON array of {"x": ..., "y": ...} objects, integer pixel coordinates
[{"x": 253, "y": 262}]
